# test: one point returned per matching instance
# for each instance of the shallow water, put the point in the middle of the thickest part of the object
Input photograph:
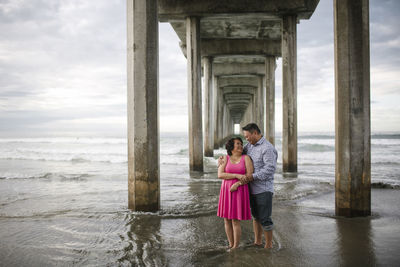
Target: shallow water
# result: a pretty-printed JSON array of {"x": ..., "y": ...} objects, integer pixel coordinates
[{"x": 63, "y": 201}]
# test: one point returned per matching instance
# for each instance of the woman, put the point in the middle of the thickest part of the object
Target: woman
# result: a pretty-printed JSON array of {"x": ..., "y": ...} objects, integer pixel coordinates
[{"x": 234, "y": 203}]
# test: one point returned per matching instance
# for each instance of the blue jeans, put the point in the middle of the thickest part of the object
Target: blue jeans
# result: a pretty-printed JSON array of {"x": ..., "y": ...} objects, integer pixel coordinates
[{"x": 261, "y": 209}]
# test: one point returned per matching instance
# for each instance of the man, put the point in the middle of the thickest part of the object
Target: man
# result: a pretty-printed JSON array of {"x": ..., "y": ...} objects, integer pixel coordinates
[{"x": 264, "y": 156}]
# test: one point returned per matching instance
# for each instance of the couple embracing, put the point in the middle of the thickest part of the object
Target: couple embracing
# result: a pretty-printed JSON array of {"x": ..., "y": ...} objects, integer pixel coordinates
[{"x": 247, "y": 186}]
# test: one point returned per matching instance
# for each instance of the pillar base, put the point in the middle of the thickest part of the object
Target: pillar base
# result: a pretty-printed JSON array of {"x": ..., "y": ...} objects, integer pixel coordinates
[
  {"x": 289, "y": 168},
  {"x": 147, "y": 207},
  {"x": 347, "y": 212},
  {"x": 197, "y": 168}
]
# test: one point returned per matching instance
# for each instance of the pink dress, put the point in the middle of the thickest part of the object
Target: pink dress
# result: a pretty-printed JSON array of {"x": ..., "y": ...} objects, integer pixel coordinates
[{"x": 234, "y": 205}]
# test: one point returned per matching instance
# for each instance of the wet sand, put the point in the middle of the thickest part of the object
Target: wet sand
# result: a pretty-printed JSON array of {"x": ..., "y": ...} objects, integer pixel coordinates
[{"x": 307, "y": 234}]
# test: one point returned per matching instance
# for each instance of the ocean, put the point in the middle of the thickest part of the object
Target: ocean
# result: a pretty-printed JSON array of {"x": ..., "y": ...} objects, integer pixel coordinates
[{"x": 63, "y": 201}]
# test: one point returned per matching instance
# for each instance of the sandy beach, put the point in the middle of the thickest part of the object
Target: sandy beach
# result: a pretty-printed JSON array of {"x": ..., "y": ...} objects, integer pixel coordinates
[
  {"x": 307, "y": 234},
  {"x": 64, "y": 202}
]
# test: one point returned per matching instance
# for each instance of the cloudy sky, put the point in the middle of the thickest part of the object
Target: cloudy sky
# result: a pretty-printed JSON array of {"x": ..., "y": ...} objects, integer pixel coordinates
[{"x": 63, "y": 69}]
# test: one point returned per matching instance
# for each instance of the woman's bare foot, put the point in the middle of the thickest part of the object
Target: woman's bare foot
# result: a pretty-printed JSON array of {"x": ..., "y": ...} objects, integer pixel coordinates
[{"x": 234, "y": 247}]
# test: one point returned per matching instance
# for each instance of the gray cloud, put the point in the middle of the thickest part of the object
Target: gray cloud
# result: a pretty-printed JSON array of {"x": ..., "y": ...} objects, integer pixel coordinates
[{"x": 65, "y": 61}]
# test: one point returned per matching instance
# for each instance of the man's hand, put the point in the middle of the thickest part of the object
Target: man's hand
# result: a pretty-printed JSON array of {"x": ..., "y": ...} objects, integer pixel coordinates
[
  {"x": 242, "y": 178},
  {"x": 249, "y": 178},
  {"x": 220, "y": 160}
]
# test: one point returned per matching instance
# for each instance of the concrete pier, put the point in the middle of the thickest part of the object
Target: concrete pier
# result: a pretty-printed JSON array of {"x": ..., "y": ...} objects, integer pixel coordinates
[
  {"x": 289, "y": 93},
  {"x": 260, "y": 103},
  {"x": 239, "y": 42},
  {"x": 208, "y": 106},
  {"x": 215, "y": 111},
  {"x": 194, "y": 94},
  {"x": 270, "y": 66},
  {"x": 143, "y": 130},
  {"x": 220, "y": 115},
  {"x": 352, "y": 106}
]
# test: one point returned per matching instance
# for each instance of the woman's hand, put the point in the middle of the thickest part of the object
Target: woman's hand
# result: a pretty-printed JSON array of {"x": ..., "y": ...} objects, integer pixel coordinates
[
  {"x": 234, "y": 187},
  {"x": 241, "y": 177}
]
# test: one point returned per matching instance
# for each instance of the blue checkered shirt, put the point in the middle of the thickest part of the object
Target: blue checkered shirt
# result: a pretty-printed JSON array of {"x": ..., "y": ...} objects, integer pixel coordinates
[{"x": 264, "y": 156}]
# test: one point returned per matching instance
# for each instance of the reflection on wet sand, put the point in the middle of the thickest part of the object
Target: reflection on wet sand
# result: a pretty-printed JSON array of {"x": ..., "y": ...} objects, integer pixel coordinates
[
  {"x": 355, "y": 242},
  {"x": 143, "y": 242}
]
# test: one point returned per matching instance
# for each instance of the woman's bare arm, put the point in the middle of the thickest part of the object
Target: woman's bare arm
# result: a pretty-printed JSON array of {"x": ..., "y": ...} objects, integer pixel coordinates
[{"x": 249, "y": 170}]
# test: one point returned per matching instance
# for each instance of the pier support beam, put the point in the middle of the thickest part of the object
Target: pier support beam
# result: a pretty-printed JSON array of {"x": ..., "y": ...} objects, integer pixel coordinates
[
  {"x": 270, "y": 66},
  {"x": 289, "y": 94},
  {"x": 260, "y": 103},
  {"x": 194, "y": 94},
  {"x": 352, "y": 106},
  {"x": 143, "y": 130},
  {"x": 220, "y": 114},
  {"x": 208, "y": 106},
  {"x": 216, "y": 95},
  {"x": 225, "y": 122}
]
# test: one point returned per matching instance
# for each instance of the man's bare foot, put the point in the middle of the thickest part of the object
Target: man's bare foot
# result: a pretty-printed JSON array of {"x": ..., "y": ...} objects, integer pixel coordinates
[
  {"x": 268, "y": 246},
  {"x": 257, "y": 245}
]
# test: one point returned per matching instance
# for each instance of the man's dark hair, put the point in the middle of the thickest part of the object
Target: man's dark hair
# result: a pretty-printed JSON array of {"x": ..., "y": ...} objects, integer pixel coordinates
[
  {"x": 251, "y": 127},
  {"x": 230, "y": 145}
]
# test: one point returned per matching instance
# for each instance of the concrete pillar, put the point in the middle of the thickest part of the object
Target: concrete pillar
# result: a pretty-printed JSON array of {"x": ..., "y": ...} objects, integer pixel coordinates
[
  {"x": 270, "y": 66},
  {"x": 143, "y": 130},
  {"x": 289, "y": 94},
  {"x": 208, "y": 105},
  {"x": 229, "y": 123},
  {"x": 224, "y": 123},
  {"x": 215, "y": 111},
  {"x": 194, "y": 94},
  {"x": 247, "y": 116},
  {"x": 220, "y": 108},
  {"x": 260, "y": 103},
  {"x": 352, "y": 106},
  {"x": 254, "y": 117}
]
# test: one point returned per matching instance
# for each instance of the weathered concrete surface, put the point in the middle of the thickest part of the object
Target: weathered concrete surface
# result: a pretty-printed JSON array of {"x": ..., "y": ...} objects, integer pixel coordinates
[
  {"x": 260, "y": 103},
  {"x": 270, "y": 66},
  {"x": 248, "y": 114},
  {"x": 352, "y": 116},
  {"x": 224, "y": 47},
  {"x": 194, "y": 94},
  {"x": 238, "y": 97},
  {"x": 289, "y": 94},
  {"x": 173, "y": 10},
  {"x": 216, "y": 95},
  {"x": 220, "y": 47},
  {"x": 233, "y": 69},
  {"x": 234, "y": 81},
  {"x": 143, "y": 130},
  {"x": 208, "y": 106},
  {"x": 220, "y": 116},
  {"x": 236, "y": 32}
]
